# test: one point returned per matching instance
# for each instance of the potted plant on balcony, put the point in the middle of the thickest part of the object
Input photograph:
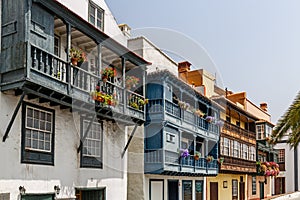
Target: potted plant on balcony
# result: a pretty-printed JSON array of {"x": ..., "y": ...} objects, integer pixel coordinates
[
  {"x": 209, "y": 159},
  {"x": 197, "y": 155},
  {"x": 221, "y": 160},
  {"x": 77, "y": 56},
  {"x": 209, "y": 119},
  {"x": 108, "y": 72},
  {"x": 184, "y": 153},
  {"x": 102, "y": 98},
  {"x": 131, "y": 81}
]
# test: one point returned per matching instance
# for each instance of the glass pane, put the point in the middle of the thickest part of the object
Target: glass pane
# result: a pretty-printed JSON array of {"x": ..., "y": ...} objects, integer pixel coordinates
[
  {"x": 27, "y": 142},
  {"x": 36, "y": 114},
  {"x": 47, "y": 137},
  {"x": 49, "y": 117},
  {"x": 47, "y": 146},
  {"x": 35, "y": 144},
  {"x": 29, "y": 112},
  {"x": 36, "y": 123},
  {"x": 41, "y": 145},
  {"x": 42, "y": 125},
  {"x": 29, "y": 122},
  {"x": 35, "y": 135},
  {"x": 48, "y": 126},
  {"x": 41, "y": 136},
  {"x": 43, "y": 116}
]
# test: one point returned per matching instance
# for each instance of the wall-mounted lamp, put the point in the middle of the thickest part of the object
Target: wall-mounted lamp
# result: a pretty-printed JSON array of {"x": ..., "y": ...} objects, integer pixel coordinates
[
  {"x": 22, "y": 190},
  {"x": 57, "y": 189}
]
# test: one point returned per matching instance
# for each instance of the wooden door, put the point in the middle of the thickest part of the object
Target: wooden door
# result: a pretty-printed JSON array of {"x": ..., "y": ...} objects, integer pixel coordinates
[
  {"x": 261, "y": 190},
  {"x": 279, "y": 185},
  {"x": 242, "y": 190},
  {"x": 173, "y": 193},
  {"x": 213, "y": 193}
]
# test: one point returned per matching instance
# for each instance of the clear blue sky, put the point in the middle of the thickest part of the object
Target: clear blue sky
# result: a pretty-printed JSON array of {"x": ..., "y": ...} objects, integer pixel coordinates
[{"x": 255, "y": 44}]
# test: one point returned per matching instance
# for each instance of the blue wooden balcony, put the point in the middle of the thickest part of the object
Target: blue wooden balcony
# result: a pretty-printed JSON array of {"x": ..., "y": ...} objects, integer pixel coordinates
[
  {"x": 160, "y": 161},
  {"x": 159, "y": 109}
]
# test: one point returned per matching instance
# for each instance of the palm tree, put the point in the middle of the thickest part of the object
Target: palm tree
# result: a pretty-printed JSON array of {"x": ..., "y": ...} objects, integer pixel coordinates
[{"x": 290, "y": 122}]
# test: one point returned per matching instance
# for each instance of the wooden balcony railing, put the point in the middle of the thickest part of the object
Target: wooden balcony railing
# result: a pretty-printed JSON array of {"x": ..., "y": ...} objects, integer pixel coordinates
[
  {"x": 239, "y": 163},
  {"x": 173, "y": 158},
  {"x": 69, "y": 76},
  {"x": 238, "y": 132}
]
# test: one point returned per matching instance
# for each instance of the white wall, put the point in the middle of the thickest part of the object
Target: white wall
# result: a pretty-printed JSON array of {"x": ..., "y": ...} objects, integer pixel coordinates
[
  {"x": 80, "y": 7},
  {"x": 180, "y": 178},
  {"x": 289, "y": 166},
  {"x": 66, "y": 171},
  {"x": 151, "y": 53}
]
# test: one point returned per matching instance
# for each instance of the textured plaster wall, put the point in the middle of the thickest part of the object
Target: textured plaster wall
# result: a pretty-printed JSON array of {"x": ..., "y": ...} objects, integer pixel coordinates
[
  {"x": 66, "y": 171},
  {"x": 150, "y": 53},
  {"x": 136, "y": 179}
]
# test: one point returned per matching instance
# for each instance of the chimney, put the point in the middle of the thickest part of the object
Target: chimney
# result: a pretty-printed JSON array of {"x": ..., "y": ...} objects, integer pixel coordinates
[
  {"x": 184, "y": 67},
  {"x": 264, "y": 107},
  {"x": 125, "y": 30}
]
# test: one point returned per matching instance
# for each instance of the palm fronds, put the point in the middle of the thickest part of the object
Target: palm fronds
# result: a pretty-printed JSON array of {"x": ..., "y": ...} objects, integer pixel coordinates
[{"x": 289, "y": 122}]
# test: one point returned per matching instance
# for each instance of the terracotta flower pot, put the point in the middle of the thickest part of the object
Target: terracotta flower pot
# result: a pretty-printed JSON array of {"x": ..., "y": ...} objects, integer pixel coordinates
[{"x": 74, "y": 61}]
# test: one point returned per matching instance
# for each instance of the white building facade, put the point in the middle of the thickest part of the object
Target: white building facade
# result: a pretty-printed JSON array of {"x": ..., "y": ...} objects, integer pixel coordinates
[{"x": 63, "y": 125}]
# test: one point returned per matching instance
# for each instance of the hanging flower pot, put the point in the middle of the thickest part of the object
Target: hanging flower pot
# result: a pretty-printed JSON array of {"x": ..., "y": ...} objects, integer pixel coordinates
[
  {"x": 197, "y": 155},
  {"x": 104, "y": 79},
  {"x": 74, "y": 61}
]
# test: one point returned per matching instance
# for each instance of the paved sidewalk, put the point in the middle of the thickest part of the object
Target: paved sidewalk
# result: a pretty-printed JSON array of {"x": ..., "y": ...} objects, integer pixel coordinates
[{"x": 295, "y": 196}]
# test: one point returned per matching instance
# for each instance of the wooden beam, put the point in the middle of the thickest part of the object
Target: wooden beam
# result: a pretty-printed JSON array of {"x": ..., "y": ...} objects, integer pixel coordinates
[
  {"x": 13, "y": 117},
  {"x": 129, "y": 140}
]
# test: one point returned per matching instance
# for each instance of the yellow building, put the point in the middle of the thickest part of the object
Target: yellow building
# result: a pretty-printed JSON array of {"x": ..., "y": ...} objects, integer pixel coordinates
[{"x": 237, "y": 153}]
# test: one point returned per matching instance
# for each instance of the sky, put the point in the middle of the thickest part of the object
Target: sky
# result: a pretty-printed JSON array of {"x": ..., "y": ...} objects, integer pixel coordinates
[{"x": 254, "y": 44}]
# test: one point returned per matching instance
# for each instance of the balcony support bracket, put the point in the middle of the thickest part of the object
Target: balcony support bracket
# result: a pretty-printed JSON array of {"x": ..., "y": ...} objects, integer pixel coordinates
[
  {"x": 85, "y": 133},
  {"x": 13, "y": 117},
  {"x": 130, "y": 138}
]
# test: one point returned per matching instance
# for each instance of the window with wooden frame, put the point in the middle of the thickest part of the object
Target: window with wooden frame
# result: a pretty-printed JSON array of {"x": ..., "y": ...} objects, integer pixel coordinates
[
  {"x": 253, "y": 185},
  {"x": 252, "y": 150},
  {"x": 260, "y": 131},
  {"x": 236, "y": 149},
  {"x": 92, "y": 149},
  {"x": 281, "y": 156},
  {"x": 96, "y": 15},
  {"x": 245, "y": 151},
  {"x": 226, "y": 146},
  {"x": 234, "y": 189},
  {"x": 38, "y": 127},
  {"x": 89, "y": 193}
]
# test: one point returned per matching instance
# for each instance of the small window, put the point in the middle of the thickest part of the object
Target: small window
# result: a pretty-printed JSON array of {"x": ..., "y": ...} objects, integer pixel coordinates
[
  {"x": 253, "y": 185},
  {"x": 56, "y": 45},
  {"x": 236, "y": 149},
  {"x": 238, "y": 123},
  {"x": 37, "y": 134},
  {"x": 226, "y": 147},
  {"x": 171, "y": 138},
  {"x": 245, "y": 151},
  {"x": 96, "y": 15},
  {"x": 234, "y": 188},
  {"x": 87, "y": 194},
  {"x": 91, "y": 153},
  {"x": 260, "y": 131},
  {"x": 281, "y": 156}
]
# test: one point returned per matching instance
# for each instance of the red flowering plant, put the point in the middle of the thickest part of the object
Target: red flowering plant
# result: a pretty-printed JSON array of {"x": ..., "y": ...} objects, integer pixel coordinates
[
  {"x": 108, "y": 72},
  {"x": 269, "y": 168},
  {"x": 77, "y": 55},
  {"x": 131, "y": 81},
  {"x": 103, "y": 98}
]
